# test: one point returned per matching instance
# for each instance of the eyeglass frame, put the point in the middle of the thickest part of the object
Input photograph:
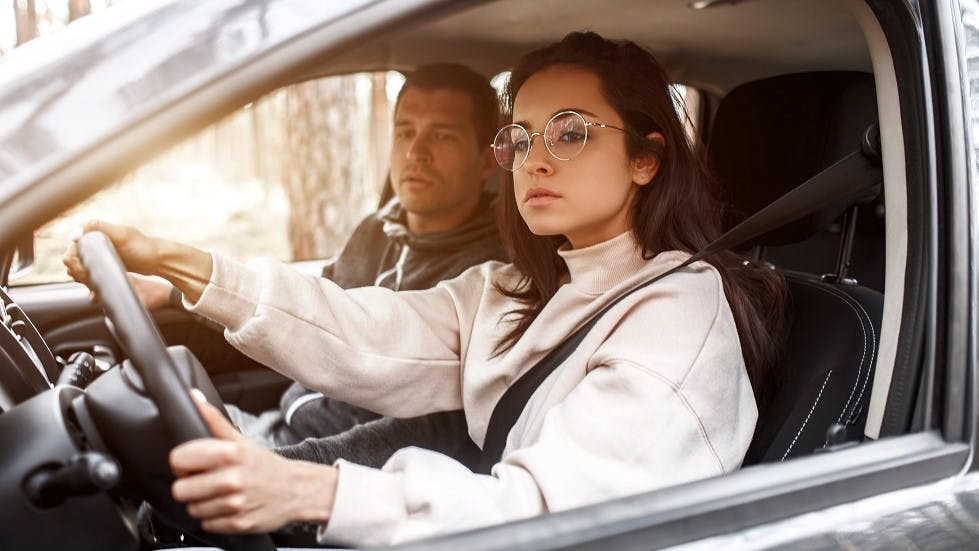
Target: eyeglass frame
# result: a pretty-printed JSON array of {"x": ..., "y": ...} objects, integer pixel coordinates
[{"x": 532, "y": 135}]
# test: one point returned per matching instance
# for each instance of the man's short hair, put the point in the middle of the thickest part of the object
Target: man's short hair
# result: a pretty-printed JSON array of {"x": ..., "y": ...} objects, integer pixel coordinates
[{"x": 458, "y": 77}]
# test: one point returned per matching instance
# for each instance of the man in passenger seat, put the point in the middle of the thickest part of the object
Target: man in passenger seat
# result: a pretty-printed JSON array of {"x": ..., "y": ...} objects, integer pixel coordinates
[{"x": 439, "y": 222}]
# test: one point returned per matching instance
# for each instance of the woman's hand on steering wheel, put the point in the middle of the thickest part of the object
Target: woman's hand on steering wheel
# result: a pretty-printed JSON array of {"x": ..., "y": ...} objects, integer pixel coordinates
[
  {"x": 138, "y": 252},
  {"x": 234, "y": 484},
  {"x": 186, "y": 267}
]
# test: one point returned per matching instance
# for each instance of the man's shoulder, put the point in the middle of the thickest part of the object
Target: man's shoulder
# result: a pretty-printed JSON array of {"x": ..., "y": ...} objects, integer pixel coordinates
[{"x": 369, "y": 228}]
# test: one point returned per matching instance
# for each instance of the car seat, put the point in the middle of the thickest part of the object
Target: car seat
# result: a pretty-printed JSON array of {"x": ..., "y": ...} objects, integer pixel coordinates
[{"x": 768, "y": 137}]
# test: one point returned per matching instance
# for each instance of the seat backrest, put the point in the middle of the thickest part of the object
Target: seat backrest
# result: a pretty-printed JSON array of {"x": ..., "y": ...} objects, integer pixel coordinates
[{"x": 770, "y": 136}]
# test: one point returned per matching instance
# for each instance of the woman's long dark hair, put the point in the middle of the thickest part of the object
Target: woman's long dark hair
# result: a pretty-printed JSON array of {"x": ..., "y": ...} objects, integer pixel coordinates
[{"x": 678, "y": 210}]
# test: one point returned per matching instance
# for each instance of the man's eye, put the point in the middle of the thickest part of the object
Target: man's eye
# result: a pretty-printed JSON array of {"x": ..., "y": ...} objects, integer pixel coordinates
[
  {"x": 445, "y": 136},
  {"x": 403, "y": 134}
]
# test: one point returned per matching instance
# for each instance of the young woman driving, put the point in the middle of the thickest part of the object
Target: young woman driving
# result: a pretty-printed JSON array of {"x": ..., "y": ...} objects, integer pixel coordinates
[{"x": 606, "y": 193}]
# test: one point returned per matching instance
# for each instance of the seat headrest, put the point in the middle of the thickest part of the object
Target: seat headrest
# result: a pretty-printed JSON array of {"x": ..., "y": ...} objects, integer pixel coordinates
[{"x": 771, "y": 135}]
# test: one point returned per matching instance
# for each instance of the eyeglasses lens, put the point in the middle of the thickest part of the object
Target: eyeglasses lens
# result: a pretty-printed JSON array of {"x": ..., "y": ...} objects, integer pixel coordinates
[
  {"x": 565, "y": 135},
  {"x": 511, "y": 146}
]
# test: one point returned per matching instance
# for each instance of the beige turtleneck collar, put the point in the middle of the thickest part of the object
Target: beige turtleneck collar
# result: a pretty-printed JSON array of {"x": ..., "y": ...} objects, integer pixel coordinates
[{"x": 597, "y": 268}]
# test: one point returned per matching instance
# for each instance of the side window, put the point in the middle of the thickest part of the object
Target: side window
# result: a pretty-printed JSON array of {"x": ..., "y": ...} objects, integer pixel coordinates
[
  {"x": 288, "y": 176},
  {"x": 688, "y": 105}
]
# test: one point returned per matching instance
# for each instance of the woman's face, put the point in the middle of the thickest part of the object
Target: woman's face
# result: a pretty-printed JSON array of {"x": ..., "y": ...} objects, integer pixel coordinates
[{"x": 587, "y": 198}]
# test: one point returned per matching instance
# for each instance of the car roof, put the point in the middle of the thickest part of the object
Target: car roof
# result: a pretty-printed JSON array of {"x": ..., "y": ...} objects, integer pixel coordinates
[{"x": 714, "y": 48}]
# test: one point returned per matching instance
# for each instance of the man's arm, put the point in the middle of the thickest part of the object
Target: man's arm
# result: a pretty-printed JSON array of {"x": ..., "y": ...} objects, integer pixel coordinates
[{"x": 373, "y": 443}]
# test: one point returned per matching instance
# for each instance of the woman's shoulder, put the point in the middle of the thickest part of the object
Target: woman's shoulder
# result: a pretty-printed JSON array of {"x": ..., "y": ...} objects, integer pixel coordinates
[
  {"x": 693, "y": 295},
  {"x": 700, "y": 276},
  {"x": 677, "y": 316}
]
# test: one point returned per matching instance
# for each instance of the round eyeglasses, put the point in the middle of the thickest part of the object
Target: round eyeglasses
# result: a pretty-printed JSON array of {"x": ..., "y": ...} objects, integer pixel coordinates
[{"x": 564, "y": 136}]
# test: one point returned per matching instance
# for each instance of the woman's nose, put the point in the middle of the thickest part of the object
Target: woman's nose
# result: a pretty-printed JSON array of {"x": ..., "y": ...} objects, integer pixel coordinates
[{"x": 539, "y": 160}]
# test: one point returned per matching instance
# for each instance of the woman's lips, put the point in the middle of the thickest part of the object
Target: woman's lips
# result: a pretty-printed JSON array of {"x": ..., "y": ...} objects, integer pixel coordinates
[{"x": 539, "y": 197}]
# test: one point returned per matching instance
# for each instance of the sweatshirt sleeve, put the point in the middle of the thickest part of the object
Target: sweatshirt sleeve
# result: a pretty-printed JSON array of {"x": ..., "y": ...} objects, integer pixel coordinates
[
  {"x": 394, "y": 353},
  {"x": 626, "y": 427}
]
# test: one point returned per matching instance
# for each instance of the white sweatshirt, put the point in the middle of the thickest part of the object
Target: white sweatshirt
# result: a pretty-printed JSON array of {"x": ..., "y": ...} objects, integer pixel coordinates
[{"x": 655, "y": 395}]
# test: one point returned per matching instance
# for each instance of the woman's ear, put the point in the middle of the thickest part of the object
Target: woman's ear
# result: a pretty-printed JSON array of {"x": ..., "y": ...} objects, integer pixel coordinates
[{"x": 644, "y": 168}]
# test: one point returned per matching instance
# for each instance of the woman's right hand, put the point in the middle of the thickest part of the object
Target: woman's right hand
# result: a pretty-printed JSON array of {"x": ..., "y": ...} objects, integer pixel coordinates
[
  {"x": 138, "y": 252},
  {"x": 236, "y": 485}
]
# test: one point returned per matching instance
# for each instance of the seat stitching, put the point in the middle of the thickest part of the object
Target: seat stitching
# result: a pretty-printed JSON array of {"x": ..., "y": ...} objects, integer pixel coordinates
[
  {"x": 873, "y": 353},
  {"x": 872, "y": 346},
  {"x": 863, "y": 353},
  {"x": 846, "y": 299},
  {"x": 804, "y": 423}
]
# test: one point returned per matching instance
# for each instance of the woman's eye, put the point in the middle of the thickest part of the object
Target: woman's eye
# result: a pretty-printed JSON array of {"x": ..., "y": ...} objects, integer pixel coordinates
[
  {"x": 571, "y": 137},
  {"x": 521, "y": 146}
]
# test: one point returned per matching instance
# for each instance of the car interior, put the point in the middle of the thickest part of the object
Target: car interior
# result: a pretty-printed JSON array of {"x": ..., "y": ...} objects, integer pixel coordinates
[{"x": 788, "y": 90}]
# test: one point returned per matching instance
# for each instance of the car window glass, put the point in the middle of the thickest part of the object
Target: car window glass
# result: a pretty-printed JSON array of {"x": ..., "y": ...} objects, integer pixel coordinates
[{"x": 277, "y": 178}]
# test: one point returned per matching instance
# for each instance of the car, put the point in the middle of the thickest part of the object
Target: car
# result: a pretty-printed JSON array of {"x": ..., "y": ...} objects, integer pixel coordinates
[{"x": 854, "y": 121}]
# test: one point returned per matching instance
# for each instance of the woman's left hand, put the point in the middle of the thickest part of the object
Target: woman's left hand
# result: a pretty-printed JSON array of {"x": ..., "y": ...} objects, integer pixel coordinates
[{"x": 233, "y": 484}]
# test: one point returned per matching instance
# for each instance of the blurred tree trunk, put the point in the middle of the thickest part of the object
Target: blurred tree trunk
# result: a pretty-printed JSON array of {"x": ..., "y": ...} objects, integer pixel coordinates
[
  {"x": 322, "y": 170},
  {"x": 379, "y": 140},
  {"x": 78, "y": 8},
  {"x": 25, "y": 15}
]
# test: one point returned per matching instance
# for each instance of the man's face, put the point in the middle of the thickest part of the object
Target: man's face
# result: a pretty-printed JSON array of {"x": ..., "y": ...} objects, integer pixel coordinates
[{"x": 437, "y": 166}]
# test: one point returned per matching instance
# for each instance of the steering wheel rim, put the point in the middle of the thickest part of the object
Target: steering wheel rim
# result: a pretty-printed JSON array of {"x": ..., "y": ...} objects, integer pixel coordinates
[{"x": 141, "y": 341}]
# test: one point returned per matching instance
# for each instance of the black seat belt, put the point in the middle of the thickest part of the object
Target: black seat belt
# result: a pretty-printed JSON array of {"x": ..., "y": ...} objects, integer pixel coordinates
[{"x": 853, "y": 179}]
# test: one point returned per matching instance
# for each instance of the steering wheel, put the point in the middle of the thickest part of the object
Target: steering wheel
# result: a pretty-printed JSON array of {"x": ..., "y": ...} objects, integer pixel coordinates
[{"x": 141, "y": 341}]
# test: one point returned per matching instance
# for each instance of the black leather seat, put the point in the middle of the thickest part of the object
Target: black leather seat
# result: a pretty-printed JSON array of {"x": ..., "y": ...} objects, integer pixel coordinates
[
  {"x": 770, "y": 136},
  {"x": 828, "y": 368}
]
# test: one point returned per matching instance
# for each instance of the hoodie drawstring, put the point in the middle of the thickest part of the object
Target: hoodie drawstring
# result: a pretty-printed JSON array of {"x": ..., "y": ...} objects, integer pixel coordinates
[{"x": 398, "y": 270}]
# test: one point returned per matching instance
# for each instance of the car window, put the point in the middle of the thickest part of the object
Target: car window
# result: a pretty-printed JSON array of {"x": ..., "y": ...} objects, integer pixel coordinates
[{"x": 287, "y": 176}]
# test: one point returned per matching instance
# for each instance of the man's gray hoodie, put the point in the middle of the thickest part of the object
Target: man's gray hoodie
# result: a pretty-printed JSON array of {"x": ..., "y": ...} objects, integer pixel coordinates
[{"x": 381, "y": 251}]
